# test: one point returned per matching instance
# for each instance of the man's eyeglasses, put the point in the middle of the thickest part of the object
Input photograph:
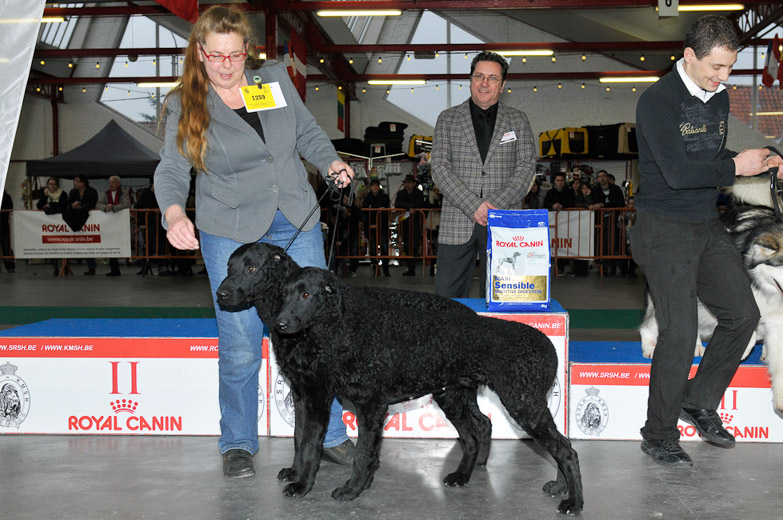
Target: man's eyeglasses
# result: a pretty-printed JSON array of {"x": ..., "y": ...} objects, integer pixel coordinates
[
  {"x": 236, "y": 57},
  {"x": 479, "y": 78}
]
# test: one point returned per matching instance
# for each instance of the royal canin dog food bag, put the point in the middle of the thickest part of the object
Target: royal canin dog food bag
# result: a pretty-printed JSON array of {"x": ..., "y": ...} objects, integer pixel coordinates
[{"x": 518, "y": 260}]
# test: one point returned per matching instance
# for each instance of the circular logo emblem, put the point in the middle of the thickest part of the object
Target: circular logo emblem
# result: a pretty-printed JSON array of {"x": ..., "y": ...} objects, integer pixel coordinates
[
  {"x": 14, "y": 397},
  {"x": 554, "y": 396},
  {"x": 592, "y": 414},
  {"x": 284, "y": 400}
]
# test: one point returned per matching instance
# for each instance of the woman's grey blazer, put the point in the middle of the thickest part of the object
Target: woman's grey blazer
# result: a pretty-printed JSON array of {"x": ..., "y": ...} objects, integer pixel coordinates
[{"x": 247, "y": 180}]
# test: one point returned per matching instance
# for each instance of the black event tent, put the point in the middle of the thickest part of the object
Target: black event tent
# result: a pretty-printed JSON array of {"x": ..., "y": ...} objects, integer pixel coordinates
[{"x": 112, "y": 151}]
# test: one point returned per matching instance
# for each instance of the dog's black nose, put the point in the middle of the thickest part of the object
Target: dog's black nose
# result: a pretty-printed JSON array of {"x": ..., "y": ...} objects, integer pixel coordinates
[
  {"x": 221, "y": 295},
  {"x": 281, "y": 325}
]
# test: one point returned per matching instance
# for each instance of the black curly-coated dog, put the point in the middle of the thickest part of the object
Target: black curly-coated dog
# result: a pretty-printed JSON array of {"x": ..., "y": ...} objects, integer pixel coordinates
[
  {"x": 407, "y": 353},
  {"x": 256, "y": 275}
]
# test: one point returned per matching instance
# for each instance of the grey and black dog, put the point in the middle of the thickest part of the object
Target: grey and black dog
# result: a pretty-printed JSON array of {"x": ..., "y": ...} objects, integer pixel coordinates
[
  {"x": 405, "y": 353},
  {"x": 758, "y": 235}
]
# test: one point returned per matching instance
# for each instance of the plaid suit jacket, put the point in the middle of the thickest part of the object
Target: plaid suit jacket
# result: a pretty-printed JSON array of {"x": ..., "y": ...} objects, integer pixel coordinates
[{"x": 503, "y": 179}]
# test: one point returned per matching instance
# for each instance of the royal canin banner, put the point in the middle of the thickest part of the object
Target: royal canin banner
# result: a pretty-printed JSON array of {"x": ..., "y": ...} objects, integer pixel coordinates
[
  {"x": 571, "y": 233},
  {"x": 609, "y": 402},
  {"x": 116, "y": 386},
  {"x": 185, "y": 9},
  {"x": 295, "y": 60},
  {"x": 104, "y": 235}
]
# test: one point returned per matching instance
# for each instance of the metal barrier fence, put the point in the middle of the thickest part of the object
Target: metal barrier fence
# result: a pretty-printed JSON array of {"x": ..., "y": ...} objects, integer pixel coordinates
[{"x": 400, "y": 235}]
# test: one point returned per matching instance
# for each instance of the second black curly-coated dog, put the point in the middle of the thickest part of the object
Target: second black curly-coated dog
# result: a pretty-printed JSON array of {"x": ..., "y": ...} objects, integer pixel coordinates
[
  {"x": 406, "y": 354},
  {"x": 256, "y": 275}
]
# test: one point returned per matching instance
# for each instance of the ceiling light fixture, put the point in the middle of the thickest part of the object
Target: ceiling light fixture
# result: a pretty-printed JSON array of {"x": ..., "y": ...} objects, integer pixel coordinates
[
  {"x": 397, "y": 82},
  {"x": 157, "y": 84},
  {"x": 52, "y": 19},
  {"x": 531, "y": 52},
  {"x": 710, "y": 7},
  {"x": 359, "y": 12},
  {"x": 629, "y": 79}
]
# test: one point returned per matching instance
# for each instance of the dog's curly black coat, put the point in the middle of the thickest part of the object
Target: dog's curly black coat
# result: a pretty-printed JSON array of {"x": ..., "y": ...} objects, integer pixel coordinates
[
  {"x": 407, "y": 352},
  {"x": 256, "y": 275}
]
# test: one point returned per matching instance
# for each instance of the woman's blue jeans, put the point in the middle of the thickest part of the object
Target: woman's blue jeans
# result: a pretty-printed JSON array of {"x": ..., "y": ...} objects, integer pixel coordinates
[{"x": 239, "y": 339}]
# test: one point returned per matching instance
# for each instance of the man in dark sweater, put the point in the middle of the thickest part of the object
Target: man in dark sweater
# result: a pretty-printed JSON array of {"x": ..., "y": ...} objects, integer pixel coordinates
[
  {"x": 685, "y": 252},
  {"x": 560, "y": 196},
  {"x": 606, "y": 194}
]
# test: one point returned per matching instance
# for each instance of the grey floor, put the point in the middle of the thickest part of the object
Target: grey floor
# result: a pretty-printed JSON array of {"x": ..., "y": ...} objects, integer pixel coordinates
[{"x": 125, "y": 477}]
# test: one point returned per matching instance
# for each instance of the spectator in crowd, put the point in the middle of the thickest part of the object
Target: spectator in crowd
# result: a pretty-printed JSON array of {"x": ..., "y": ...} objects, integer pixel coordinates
[
  {"x": 81, "y": 200},
  {"x": 560, "y": 196},
  {"x": 576, "y": 187},
  {"x": 151, "y": 232},
  {"x": 115, "y": 199},
  {"x": 252, "y": 187},
  {"x": 483, "y": 157},
  {"x": 410, "y": 198},
  {"x": 535, "y": 196},
  {"x": 53, "y": 202},
  {"x": 681, "y": 245},
  {"x": 376, "y": 223},
  {"x": 5, "y": 232},
  {"x": 583, "y": 199},
  {"x": 607, "y": 195},
  {"x": 54, "y": 199},
  {"x": 346, "y": 224}
]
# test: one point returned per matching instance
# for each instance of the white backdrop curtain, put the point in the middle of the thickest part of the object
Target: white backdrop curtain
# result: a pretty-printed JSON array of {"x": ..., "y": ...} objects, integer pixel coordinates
[{"x": 19, "y": 23}]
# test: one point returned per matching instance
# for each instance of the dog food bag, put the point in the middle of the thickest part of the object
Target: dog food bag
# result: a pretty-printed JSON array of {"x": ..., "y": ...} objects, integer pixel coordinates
[{"x": 518, "y": 260}]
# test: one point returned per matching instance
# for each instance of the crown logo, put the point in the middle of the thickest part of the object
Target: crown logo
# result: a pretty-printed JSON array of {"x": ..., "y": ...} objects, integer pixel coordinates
[
  {"x": 592, "y": 391},
  {"x": 726, "y": 417},
  {"x": 8, "y": 369},
  {"x": 124, "y": 405}
]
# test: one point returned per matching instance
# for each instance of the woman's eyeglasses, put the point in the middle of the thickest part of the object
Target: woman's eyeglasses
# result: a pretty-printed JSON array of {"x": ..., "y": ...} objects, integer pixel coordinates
[{"x": 235, "y": 57}]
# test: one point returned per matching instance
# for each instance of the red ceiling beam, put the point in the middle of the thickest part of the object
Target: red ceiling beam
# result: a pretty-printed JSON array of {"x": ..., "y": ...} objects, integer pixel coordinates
[
  {"x": 521, "y": 76},
  {"x": 322, "y": 47},
  {"x": 433, "y": 5},
  {"x": 440, "y": 5}
]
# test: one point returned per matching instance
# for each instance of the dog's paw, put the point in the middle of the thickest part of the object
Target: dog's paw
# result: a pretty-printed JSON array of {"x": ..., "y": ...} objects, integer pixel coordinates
[
  {"x": 296, "y": 489},
  {"x": 456, "y": 479},
  {"x": 344, "y": 494},
  {"x": 553, "y": 487},
  {"x": 287, "y": 475},
  {"x": 570, "y": 506}
]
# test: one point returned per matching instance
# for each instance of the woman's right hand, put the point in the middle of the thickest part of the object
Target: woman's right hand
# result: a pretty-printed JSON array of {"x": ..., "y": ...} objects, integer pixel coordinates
[{"x": 181, "y": 232}]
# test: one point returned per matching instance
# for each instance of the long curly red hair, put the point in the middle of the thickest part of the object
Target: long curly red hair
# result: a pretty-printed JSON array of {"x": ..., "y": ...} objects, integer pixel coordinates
[{"x": 194, "y": 84}]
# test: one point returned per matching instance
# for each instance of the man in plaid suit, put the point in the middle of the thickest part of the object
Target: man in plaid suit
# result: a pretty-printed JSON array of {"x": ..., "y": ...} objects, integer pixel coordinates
[{"x": 483, "y": 157}]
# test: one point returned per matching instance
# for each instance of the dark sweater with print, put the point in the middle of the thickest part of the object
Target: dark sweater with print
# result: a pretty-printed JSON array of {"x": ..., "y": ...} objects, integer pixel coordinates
[{"x": 682, "y": 150}]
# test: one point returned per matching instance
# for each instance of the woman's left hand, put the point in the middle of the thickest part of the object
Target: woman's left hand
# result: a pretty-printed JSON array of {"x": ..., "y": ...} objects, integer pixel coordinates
[{"x": 340, "y": 173}]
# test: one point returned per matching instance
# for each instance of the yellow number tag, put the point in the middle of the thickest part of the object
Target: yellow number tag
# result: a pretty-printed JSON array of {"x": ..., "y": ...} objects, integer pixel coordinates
[{"x": 258, "y": 97}]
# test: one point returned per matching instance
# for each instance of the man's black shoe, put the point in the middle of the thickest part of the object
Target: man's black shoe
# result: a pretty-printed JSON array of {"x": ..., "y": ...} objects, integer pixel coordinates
[
  {"x": 238, "y": 464},
  {"x": 667, "y": 452},
  {"x": 709, "y": 425}
]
